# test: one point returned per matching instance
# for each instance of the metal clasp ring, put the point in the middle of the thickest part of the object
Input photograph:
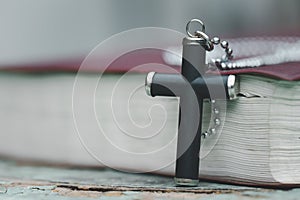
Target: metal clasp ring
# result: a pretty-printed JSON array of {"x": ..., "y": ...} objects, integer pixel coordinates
[
  {"x": 200, "y": 34},
  {"x": 209, "y": 46},
  {"x": 188, "y": 26}
]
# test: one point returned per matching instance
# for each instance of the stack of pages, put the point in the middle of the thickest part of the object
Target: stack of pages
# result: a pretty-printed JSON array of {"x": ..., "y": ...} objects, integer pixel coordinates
[{"x": 94, "y": 119}]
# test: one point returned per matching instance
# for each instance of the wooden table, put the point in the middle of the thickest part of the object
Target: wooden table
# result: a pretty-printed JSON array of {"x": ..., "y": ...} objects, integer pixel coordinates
[{"x": 21, "y": 181}]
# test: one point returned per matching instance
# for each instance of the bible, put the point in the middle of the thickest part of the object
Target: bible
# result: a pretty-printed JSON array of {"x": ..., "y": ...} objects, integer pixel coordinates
[{"x": 258, "y": 144}]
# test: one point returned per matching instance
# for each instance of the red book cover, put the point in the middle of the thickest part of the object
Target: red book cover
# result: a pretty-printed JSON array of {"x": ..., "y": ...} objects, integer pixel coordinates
[{"x": 156, "y": 60}]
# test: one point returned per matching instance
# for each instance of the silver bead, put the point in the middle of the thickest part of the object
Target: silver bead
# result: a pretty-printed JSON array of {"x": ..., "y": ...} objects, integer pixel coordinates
[
  {"x": 217, "y": 121},
  {"x": 224, "y": 44},
  {"x": 218, "y": 62},
  {"x": 205, "y": 134},
  {"x": 215, "y": 40},
  {"x": 229, "y": 51},
  {"x": 213, "y": 131},
  {"x": 229, "y": 65},
  {"x": 223, "y": 65},
  {"x": 216, "y": 111},
  {"x": 213, "y": 101},
  {"x": 234, "y": 65}
]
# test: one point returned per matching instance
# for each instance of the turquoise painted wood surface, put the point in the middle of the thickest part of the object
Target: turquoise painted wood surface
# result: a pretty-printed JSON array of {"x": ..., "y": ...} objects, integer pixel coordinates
[{"x": 20, "y": 181}]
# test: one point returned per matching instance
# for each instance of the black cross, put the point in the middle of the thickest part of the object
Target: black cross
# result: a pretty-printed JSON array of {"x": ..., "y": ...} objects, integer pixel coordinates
[{"x": 192, "y": 86}]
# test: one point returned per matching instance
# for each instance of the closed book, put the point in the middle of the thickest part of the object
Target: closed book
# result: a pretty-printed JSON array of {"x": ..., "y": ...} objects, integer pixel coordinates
[{"x": 106, "y": 119}]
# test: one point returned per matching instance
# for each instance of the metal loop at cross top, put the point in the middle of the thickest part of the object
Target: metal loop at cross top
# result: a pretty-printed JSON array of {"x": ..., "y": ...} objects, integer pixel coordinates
[{"x": 210, "y": 43}]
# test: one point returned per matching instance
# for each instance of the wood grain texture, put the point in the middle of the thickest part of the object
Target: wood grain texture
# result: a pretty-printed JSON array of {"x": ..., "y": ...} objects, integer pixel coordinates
[{"x": 19, "y": 181}]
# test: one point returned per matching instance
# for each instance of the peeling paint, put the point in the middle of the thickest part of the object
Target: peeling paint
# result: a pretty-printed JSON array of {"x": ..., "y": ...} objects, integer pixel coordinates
[{"x": 37, "y": 182}]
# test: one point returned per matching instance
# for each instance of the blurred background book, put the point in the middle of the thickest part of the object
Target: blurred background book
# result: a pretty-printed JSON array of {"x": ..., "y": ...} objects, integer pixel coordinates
[{"x": 43, "y": 31}]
